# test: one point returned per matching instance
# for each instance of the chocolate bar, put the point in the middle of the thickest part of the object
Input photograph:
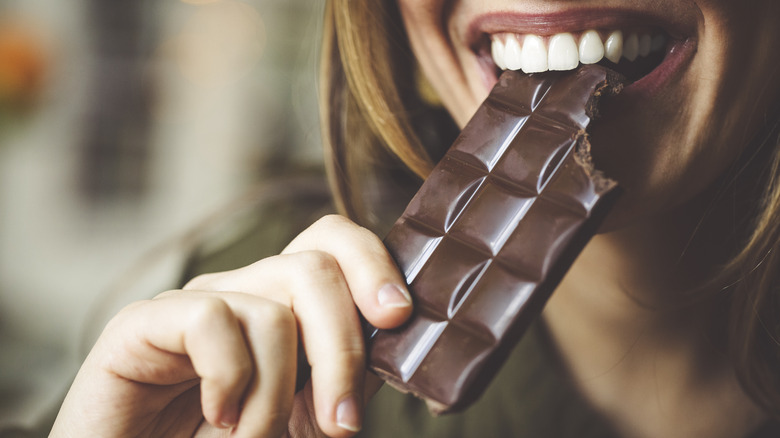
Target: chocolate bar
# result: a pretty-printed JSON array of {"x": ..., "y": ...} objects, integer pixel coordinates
[{"x": 491, "y": 232}]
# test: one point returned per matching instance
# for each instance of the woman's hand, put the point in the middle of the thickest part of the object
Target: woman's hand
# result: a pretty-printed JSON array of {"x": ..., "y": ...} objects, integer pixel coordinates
[{"x": 220, "y": 356}]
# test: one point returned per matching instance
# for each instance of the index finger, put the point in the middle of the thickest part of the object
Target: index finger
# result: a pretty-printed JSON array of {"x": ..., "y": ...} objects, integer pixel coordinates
[{"x": 374, "y": 280}]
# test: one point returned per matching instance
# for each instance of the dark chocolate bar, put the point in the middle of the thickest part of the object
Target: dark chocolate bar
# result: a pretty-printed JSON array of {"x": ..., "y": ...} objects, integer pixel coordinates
[{"x": 490, "y": 233}]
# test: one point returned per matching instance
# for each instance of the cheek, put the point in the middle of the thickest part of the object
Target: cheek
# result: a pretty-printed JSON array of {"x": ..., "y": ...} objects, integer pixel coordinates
[
  {"x": 667, "y": 149},
  {"x": 640, "y": 146},
  {"x": 425, "y": 22}
]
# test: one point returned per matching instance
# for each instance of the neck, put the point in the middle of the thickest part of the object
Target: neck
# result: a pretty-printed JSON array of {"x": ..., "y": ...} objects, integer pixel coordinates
[{"x": 639, "y": 336}]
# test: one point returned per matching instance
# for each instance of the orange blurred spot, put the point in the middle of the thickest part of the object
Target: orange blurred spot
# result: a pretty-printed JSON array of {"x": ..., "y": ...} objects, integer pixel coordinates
[{"x": 22, "y": 63}]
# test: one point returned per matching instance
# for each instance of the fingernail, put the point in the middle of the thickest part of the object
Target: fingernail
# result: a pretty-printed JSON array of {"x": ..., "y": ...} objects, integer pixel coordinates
[
  {"x": 348, "y": 414},
  {"x": 392, "y": 295},
  {"x": 230, "y": 418}
]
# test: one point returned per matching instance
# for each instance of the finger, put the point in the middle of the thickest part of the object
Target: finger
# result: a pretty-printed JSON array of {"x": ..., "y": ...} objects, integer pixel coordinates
[
  {"x": 270, "y": 332},
  {"x": 312, "y": 284},
  {"x": 332, "y": 337},
  {"x": 302, "y": 421},
  {"x": 205, "y": 330},
  {"x": 377, "y": 287}
]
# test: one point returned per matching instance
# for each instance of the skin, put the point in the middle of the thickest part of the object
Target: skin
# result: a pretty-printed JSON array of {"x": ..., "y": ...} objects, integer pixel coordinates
[
  {"x": 651, "y": 362},
  {"x": 629, "y": 342},
  {"x": 696, "y": 107},
  {"x": 218, "y": 358}
]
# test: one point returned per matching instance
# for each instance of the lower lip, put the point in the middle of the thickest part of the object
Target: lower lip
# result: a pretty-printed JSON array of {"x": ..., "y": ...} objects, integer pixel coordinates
[{"x": 678, "y": 56}]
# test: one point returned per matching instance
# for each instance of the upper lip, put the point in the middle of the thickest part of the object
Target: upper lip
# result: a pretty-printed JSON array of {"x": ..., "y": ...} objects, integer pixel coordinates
[{"x": 572, "y": 20}]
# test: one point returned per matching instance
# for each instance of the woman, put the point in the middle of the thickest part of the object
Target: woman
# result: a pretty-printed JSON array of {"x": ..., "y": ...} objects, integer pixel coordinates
[{"x": 666, "y": 324}]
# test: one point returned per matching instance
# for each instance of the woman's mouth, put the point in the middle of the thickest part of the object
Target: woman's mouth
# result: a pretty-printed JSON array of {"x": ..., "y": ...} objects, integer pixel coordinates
[
  {"x": 644, "y": 49},
  {"x": 632, "y": 53}
]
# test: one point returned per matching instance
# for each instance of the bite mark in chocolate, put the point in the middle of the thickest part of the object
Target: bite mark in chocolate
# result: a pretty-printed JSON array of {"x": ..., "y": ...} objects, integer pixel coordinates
[{"x": 492, "y": 231}]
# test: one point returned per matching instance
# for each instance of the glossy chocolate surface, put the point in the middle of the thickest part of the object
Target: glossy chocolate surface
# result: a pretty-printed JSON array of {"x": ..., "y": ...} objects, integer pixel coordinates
[{"x": 491, "y": 232}]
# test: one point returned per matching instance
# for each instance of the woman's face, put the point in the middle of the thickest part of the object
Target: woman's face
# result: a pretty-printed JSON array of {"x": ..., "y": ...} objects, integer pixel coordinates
[{"x": 703, "y": 76}]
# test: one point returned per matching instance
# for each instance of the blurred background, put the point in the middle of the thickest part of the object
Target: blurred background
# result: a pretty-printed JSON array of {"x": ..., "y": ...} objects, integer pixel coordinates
[{"x": 123, "y": 123}]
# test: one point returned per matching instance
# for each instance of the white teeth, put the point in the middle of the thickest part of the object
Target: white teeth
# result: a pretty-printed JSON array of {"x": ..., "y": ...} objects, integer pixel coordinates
[
  {"x": 631, "y": 47},
  {"x": 534, "y": 53},
  {"x": 498, "y": 53},
  {"x": 613, "y": 47},
  {"x": 513, "y": 53},
  {"x": 645, "y": 41},
  {"x": 591, "y": 49},
  {"x": 563, "y": 54},
  {"x": 534, "y": 56}
]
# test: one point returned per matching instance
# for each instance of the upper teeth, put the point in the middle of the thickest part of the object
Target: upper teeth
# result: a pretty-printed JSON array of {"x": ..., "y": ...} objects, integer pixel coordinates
[{"x": 533, "y": 53}]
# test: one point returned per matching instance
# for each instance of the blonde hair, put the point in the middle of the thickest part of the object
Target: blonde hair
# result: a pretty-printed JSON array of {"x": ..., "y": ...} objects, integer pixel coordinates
[
  {"x": 368, "y": 99},
  {"x": 361, "y": 100},
  {"x": 754, "y": 295}
]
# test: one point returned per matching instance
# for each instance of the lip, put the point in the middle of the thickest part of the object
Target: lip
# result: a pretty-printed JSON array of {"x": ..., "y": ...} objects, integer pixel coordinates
[
  {"x": 572, "y": 20},
  {"x": 680, "y": 49}
]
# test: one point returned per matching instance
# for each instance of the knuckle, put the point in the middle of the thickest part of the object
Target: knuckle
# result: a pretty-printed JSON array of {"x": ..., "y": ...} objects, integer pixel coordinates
[
  {"x": 347, "y": 231},
  {"x": 208, "y": 314},
  {"x": 354, "y": 353},
  {"x": 333, "y": 221},
  {"x": 318, "y": 262},
  {"x": 317, "y": 270},
  {"x": 209, "y": 311},
  {"x": 274, "y": 317},
  {"x": 346, "y": 351}
]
